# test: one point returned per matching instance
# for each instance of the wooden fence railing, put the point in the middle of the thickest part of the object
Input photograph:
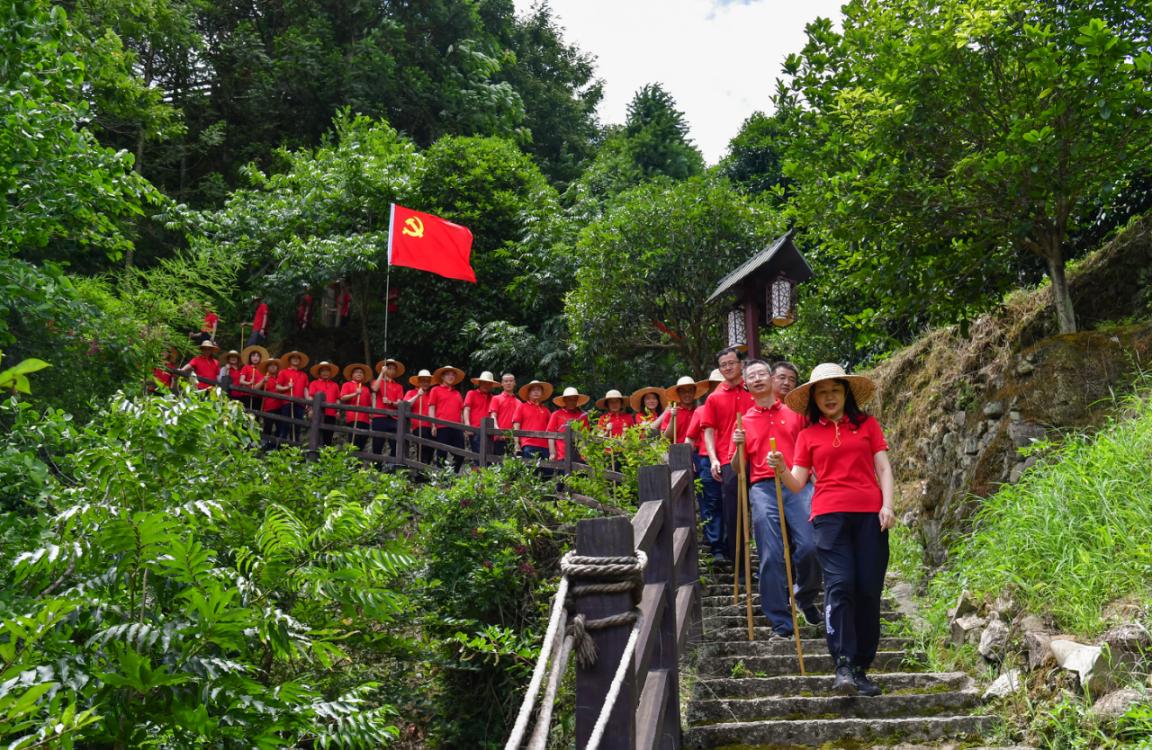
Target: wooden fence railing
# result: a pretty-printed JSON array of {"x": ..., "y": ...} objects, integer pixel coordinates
[
  {"x": 308, "y": 433},
  {"x": 647, "y": 711}
]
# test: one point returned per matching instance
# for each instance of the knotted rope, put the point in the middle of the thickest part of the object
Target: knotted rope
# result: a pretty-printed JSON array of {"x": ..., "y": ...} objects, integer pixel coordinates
[{"x": 617, "y": 575}]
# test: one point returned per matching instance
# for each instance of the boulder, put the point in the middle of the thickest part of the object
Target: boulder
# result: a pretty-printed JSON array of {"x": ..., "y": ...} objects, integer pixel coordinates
[
  {"x": 1132, "y": 638},
  {"x": 966, "y": 629},
  {"x": 993, "y": 409},
  {"x": 964, "y": 606},
  {"x": 1026, "y": 623},
  {"x": 1116, "y": 704},
  {"x": 1005, "y": 607},
  {"x": 1090, "y": 663},
  {"x": 1038, "y": 644},
  {"x": 1004, "y": 685},
  {"x": 994, "y": 640}
]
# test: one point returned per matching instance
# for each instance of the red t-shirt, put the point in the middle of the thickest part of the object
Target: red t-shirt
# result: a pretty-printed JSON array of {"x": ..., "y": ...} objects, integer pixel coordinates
[
  {"x": 363, "y": 398},
  {"x": 205, "y": 367},
  {"x": 695, "y": 434},
  {"x": 210, "y": 321},
  {"x": 558, "y": 422},
  {"x": 504, "y": 405},
  {"x": 295, "y": 378},
  {"x": 478, "y": 403},
  {"x": 684, "y": 416},
  {"x": 388, "y": 390},
  {"x": 271, "y": 403},
  {"x": 419, "y": 406},
  {"x": 260, "y": 319},
  {"x": 448, "y": 402},
  {"x": 763, "y": 424},
  {"x": 845, "y": 473},
  {"x": 719, "y": 412},
  {"x": 331, "y": 393},
  {"x": 614, "y": 423},
  {"x": 532, "y": 417}
]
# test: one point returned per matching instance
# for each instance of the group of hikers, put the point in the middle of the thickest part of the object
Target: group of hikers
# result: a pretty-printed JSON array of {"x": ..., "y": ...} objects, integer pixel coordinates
[{"x": 829, "y": 455}]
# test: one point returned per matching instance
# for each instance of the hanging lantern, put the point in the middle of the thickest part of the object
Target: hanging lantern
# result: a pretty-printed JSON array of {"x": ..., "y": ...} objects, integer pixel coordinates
[
  {"x": 737, "y": 336},
  {"x": 782, "y": 301}
]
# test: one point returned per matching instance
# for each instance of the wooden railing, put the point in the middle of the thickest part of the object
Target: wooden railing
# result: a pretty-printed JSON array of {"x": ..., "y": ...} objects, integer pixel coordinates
[
  {"x": 308, "y": 434},
  {"x": 647, "y": 711}
]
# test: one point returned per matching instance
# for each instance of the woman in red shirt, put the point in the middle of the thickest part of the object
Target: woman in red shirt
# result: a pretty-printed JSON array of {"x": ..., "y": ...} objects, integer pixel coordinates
[
  {"x": 569, "y": 402},
  {"x": 533, "y": 415},
  {"x": 162, "y": 375},
  {"x": 324, "y": 383},
  {"x": 387, "y": 393},
  {"x": 230, "y": 374},
  {"x": 648, "y": 405},
  {"x": 614, "y": 420},
  {"x": 293, "y": 381},
  {"x": 421, "y": 383},
  {"x": 250, "y": 373},
  {"x": 445, "y": 402},
  {"x": 268, "y": 380},
  {"x": 356, "y": 392},
  {"x": 851, "y": 513}
]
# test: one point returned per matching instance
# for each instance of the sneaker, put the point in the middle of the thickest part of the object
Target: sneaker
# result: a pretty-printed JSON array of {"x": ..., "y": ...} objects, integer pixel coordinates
[
  {"x": 778, "y": 637},
  {"x": 844, "y": 683},
  {"x": 811, "y": 615},
  {"x": 865, "y": 686}
]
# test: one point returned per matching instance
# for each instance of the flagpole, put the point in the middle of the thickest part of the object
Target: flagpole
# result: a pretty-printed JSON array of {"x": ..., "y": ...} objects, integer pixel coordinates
[{"x": 387, "y": 306}]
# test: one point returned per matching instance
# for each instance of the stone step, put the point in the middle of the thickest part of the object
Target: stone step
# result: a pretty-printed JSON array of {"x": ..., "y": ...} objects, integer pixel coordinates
[
  {"x": 821, "y": 685},
  {"x": 730, "y": 609},
  {"x": 738, "y": 620},
  {"x": 702, "y": 712},
  {"x": 765, "y": 647},
  {"x": 775, "y": 734},
  {"x": 780, "y": 664},
  {"x": 719, "y": 596}
]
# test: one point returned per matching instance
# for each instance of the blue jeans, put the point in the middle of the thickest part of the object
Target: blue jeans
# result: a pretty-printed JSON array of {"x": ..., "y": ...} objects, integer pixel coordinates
[
  {"x": 769, "y": 543},
  {"x": 709, "y": 501}
]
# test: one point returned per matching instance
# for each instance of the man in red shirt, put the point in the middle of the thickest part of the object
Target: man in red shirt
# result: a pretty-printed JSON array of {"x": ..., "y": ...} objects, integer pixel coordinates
[
  {"x": 204, "y": 365},
  {"x": 293, "y": 383},
  {"x": 356, "y": 392},
  {"x": 770, "y": 419},
  {"x": 388, "y": 392},
  {"x": 324, "y": 383},
  {"x": 502, "y": 408},
  {"x": 569, "y": 402},
  {"x": 533, "y": 415},
  {"x": 274, "y": 429},
  {"x": 421, "y": 383},
  {"x": 477, "y": 406},
  {"x": 445, "y": 402},
  {"x": 718, "y": 420},
  {"x": 259, "y": 333}
]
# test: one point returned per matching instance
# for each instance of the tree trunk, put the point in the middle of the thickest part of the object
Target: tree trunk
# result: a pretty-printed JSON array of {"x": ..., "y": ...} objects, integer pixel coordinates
[{"x": 1061, "y": 296}]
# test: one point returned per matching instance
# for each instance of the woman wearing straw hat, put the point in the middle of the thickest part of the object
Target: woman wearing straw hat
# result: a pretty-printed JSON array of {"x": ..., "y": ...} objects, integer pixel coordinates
[
  {"x": 851, "y": 513},
  {"x": 533, "y": 415},
  {"x": 324, "y": 383},
  {"x": 445, "y": 402},
  {"x": 648, "y": 405},
  {"x": 204, "y": 365},
  {"x": 569, "y": 402},
  {"x": 387, "y": 393},
  {"x": 421, "y": 383},
  {"x": 229, "y": 373},
  {"x": 250, "y": 373},
  {"x": 293, "y": 381},
  {"x": 269, "y": 375},
  {"x": 710, "y": 497},
  {"x": 681, "y": 399},
  {"x": 478, "y": 405},
  {"x": 614, "y": 420},
  {"x": 355, "y": 392}
]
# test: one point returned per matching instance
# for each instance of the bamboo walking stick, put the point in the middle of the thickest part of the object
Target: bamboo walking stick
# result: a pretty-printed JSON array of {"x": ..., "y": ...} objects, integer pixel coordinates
[
  {"x": 242, "y": 327},
  {"x": 787, "y": 561}
]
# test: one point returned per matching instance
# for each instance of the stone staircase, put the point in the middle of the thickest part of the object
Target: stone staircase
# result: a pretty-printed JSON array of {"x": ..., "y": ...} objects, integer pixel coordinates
[{"x": 751, "y": 695}]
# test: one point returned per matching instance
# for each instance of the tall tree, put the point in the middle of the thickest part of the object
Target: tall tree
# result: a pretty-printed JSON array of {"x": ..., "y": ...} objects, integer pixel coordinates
[
  {"x": 657, "y": 135},
  {"x": 939, "y": 145},
  {"x": 755, "y": 158}
]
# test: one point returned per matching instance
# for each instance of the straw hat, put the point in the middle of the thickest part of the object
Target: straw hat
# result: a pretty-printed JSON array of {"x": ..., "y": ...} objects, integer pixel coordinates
[
  {"x": 581, "y": 399},
  {"x": 636, "y": 400},
  {"x": 528, "y": 386},
  {"x": 415, "y": 379},
  {"x": 862, "y": 387},
  {"x": 439, "y": 374},
  {"x": 263, "y": 366},
  {"x": 286, "y": 358},
  {"x": 385, "y": 362},
  {"x": 349, "y": 369},
  {"x": 333, "y": 368},
  {"x": 208, "y": 344},
  {"x": 246, "y": 354},
  {"x": 672, "y": 392},
  {"x": 229, "y": 355},
  {"x": 602, "y": 403},
  {"x": 485, "y": 377}
]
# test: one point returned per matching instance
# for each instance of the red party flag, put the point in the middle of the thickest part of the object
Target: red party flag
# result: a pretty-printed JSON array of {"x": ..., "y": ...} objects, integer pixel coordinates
[{"x": 429, "y": 243}]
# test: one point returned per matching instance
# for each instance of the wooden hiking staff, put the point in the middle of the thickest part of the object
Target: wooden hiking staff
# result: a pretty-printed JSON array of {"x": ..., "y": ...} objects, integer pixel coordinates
[
  {"x": 743, "y": 537},
  {"x": 787, "y": 560},
  {"x": 241, "y": 347}
]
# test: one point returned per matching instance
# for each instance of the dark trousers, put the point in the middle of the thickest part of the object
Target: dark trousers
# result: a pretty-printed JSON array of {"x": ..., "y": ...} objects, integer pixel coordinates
[
  {"x": 326, "y": 434},
  {"x": 729, "y": 505},
  {"x": 360, "y": 437},
  {"x": 257, "y": 338},
  {"x": 453, "y": 436},
  {"x": 499, "y": 447},
  {"x": 296, "y": 411},
  {"x": 853, "y": 553},
  {"x": 426, "y": 452},
  {"x": 283, "y": 429},
  {"x": 271, "y": 429},
  {"x": 383, "y": 424}
]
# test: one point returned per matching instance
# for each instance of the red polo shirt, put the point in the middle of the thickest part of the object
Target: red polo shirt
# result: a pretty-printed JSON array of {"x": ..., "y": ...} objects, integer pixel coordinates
[
  {"x": 477, "y": 402},
  {"x": 363, "y": 398},
  {"x": 419, "y": 406},
  {"x": 695, "y": 434},
  {"x": 448, "y": 402},
  {"x": 614, "y": 423},
  {"x": 388, "y": 390},
  {"x": 684, "y": 417},
  {"x": 249, "y": 376},
  {"x": 205, "y": 367},
  {"x": 719, "y": 412},
  {"x": 532, "y": 417},
  {"x": 842, "y": 456},
  {"x": 260, "y": 319},
  {"x": 271, "y": 403},
  {"x": 295, "y": 378},
  {"x": 763, "y": 424},
  {"x": 504, "y": 406},
  {"x": 331, "y": 392},
  {"x": 559, "y": 423},
  {"x": 161, "y": 373}
]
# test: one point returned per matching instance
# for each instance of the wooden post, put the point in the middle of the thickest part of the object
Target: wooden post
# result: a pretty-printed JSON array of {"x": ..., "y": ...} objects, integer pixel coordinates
[
  {"x": 314, "y": 426},
  {"x": 569, "y": 448},
  {"x": 605, "y": 537},
  {"x": 752, "y": 320},
  {"x": 403, "y": 409},
  {"x": 656, "y": 484},
  {"x": 482, "y": 447},
  {"x": 684, "y": 514}
]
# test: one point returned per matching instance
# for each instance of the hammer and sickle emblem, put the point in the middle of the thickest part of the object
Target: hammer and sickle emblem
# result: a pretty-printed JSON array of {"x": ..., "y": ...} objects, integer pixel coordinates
[{"x": 413, "y": 227}]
